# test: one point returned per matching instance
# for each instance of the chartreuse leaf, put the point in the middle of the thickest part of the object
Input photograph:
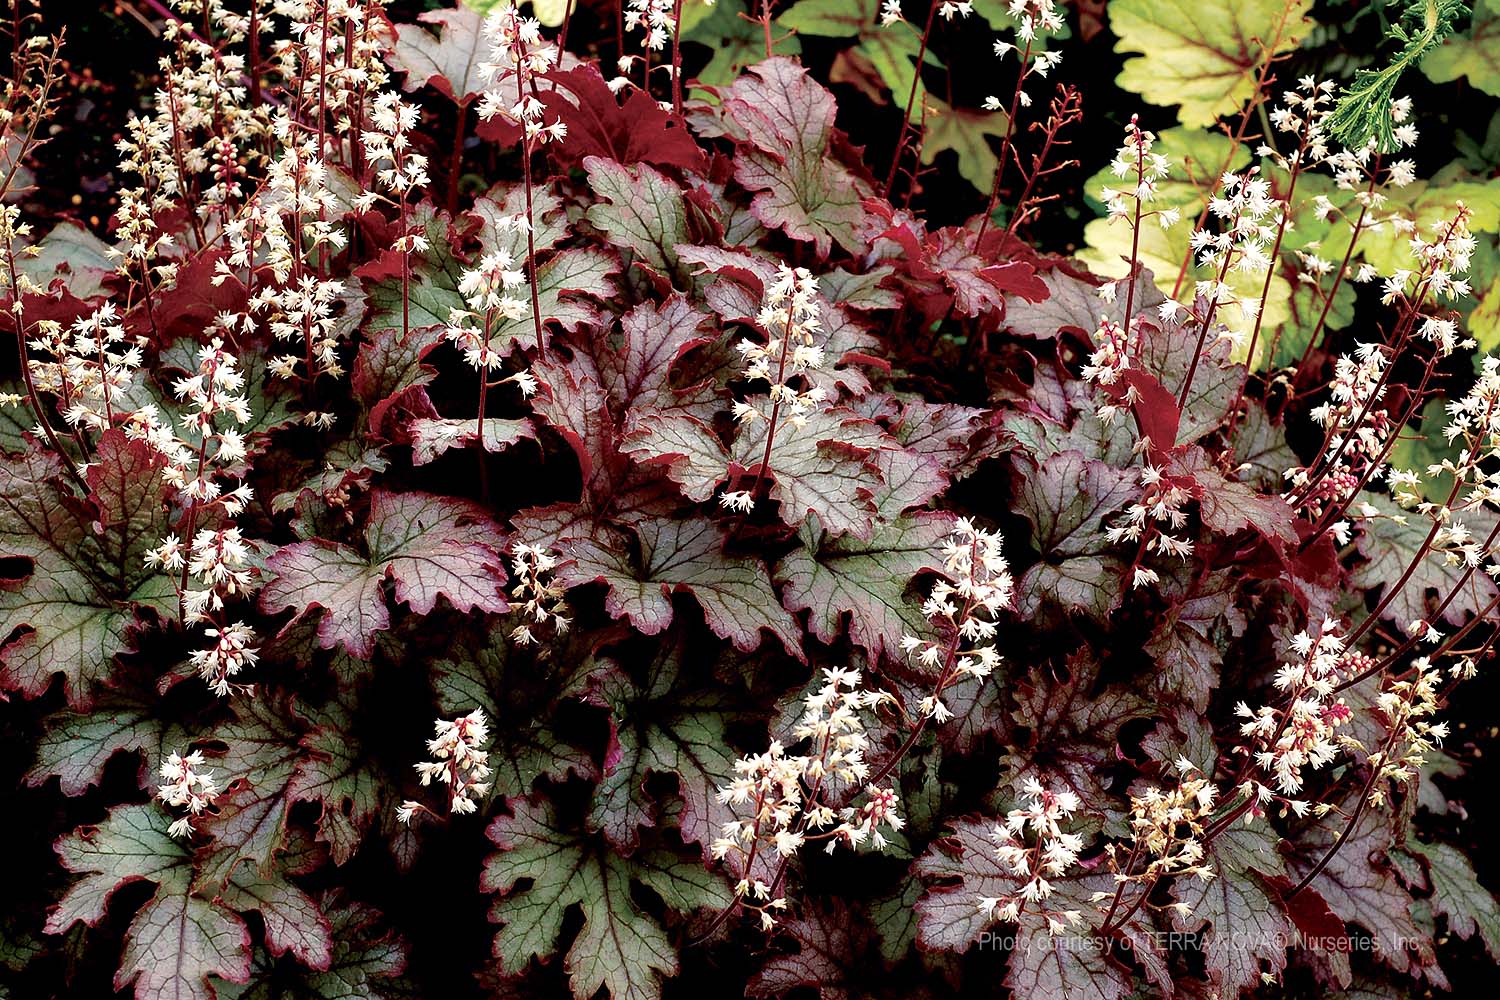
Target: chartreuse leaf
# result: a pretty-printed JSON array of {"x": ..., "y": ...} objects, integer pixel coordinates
[
  {"x": 70, "y": 611},
  {"x": 1428, "y": 203},
  {"x": 1198, "y": 159},
  {"x": 549, "y": 13},
  {"x": 891, "y": 50},
  {"x": 733, "y": 40},
  {"x": 1475, "y": 55},
  {"x": 427, "y": 546},
  {"x": 177, "y": 939},
  {"x": 664, "y": 723},
  {"x": 1202, "y": 55},
  {"x": 967, "y": 132},
  {"x": 543, "y": 870}
]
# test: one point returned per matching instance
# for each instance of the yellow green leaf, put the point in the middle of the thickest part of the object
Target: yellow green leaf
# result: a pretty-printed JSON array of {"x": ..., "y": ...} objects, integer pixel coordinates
[
  {"x": 967, "y": 132},
  {"x": 1202, "y": 54},
  {"x": 1475, "y": 55}
]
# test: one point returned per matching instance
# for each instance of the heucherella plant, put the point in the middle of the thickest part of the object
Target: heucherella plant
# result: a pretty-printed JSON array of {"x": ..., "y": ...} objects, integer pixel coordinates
[{"x": 830, "y": 558}]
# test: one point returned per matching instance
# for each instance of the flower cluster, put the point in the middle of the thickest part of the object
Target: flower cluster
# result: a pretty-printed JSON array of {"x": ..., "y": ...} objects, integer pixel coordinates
[
  {"x": 89, "y": 369},
  {"x": 1408, "y": 708},
  {"x": 1302, "y": 733},
  {"x": 790, "y": 799},
  {"x": 789, "y": 316},
  {"x": 1151, "y": 522},
  {"x": 538, "y": 596},
  {"x": 495, "y": 289},
  {"x": 1244, "y": 207},
  {"x": 387, "y": 145},
  {"x": 518, "y": 56},
  {"x": 458, "y": 761},
  {"x": 1136, "y": 162},
  {"x": 188, "y": 786},
  {"x": 1168, "y": 824},
  {"x": 1356, "y": 428},
  {"x": 655, "y": 18},
  {"x": 962, "y": 609},
  {"x": 1033, "y": 847},
  {"x": 1302, "y": 115},
  {"x": 1030, "y": 17}
]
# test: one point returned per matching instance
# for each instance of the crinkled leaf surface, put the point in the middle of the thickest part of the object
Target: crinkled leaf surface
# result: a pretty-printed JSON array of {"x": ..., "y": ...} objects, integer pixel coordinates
[
  {"x": 1247, "y": 925},
  {"x": 664, "y": 722},
  {"x": 542, "y": 870},
  {"x": 177, "y": 939},
  {"x": 1067, "y": 499},
  {"x": 72, "y": 611},
  {"x": 427, "y": 546},
  {"x": 734, "y": 592},
  {"x": 523, "y": 693},
  {"x": 1202, "y": 56},
  {"x": 786, "y": 120}
]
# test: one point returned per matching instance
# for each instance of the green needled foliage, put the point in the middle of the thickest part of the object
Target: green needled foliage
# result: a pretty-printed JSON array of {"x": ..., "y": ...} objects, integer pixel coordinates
[{"x": 1364, "y": 109}]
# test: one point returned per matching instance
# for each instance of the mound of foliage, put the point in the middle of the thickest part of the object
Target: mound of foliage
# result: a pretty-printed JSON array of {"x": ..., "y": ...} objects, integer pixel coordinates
[{"x": 490, "y": 507}]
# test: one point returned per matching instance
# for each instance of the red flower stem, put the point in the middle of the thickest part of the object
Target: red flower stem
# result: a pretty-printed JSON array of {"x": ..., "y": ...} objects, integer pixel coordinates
[
  {"x": 676, "y": 58},
  {"x": 1208, "y": 319},
  {"x": 1338, "y": 277},
  {"x": 1265, "y": 288},
  {"x": 911, "y": 97},
  {"x": 1359, "y": 810},
  {"x": 1010, "y": 130}
]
